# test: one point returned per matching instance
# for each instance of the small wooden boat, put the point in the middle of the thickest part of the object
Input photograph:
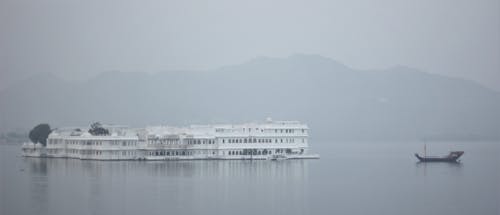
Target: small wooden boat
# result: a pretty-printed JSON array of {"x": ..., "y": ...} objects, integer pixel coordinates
[{"x": 452, "y": 157}]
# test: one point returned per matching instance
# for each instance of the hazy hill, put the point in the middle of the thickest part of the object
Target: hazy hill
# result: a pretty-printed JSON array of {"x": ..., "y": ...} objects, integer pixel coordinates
[{"x": 336, "y": 101}]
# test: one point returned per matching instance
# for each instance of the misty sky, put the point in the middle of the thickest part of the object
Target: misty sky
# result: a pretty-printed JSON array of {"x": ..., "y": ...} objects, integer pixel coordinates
[{"x": 78, "y": 39}]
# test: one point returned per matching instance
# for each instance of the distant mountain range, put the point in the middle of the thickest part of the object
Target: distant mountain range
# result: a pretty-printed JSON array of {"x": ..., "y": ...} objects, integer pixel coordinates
[{"x": 336, "y": 101}]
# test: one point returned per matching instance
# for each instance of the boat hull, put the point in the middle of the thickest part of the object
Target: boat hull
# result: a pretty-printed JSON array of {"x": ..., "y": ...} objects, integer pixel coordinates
[{"x": 452, "y": 157}]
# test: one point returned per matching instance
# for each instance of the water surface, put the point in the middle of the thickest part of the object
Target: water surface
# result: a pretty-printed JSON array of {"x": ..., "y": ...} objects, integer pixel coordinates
[{"x": 350, "y": 178}]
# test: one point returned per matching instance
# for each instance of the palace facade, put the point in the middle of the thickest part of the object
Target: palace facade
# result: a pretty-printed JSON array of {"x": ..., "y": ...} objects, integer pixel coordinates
[{"x": 266, "y": 140}]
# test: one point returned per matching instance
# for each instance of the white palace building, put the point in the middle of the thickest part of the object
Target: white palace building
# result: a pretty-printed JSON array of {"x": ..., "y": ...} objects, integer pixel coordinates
[{"x": 267, "y": 140}]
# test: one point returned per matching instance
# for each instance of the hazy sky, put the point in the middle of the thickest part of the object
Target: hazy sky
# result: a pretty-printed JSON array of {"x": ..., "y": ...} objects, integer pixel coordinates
[{"x": 79, "y": 39}]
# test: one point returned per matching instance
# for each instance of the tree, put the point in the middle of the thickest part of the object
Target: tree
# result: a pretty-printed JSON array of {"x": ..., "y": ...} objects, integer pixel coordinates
[
  {"x": 40, "y": 133},
  {"x": 96, "y": 129}
]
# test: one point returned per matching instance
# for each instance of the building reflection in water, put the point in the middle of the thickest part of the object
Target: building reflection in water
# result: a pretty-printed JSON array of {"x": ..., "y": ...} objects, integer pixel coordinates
[{"x": 177, "y": 187}]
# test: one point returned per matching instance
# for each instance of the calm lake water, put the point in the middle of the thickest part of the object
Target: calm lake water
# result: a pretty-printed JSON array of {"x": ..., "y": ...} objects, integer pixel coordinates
[{"x": 350, "y": 178}]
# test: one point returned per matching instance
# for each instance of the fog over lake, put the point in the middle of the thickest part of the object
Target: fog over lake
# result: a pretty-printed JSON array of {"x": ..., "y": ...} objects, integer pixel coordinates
[{"x": 363, "y": 84}]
